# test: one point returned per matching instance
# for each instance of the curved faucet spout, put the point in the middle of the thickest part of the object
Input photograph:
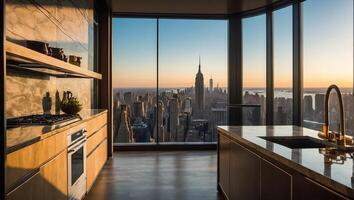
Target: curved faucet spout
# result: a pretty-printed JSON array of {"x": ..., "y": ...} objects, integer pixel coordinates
[{"x": 341, "y": 110}]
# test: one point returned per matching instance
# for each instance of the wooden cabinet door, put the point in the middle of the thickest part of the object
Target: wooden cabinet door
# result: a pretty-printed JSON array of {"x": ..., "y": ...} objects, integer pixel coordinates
[
  {"x": 22, "y": 162},
  {"x": 95, "y": 139},
  {"x": 95, "y": 162},
  {"x": 245, "y": 168},
  {"x": 276, "y": 183},
  {"x": 29, "y": 190},
  {"x": 305, "y": 188},
  {"x": 223, "y": 164},
  {"x": 54, "y": 176},
  {"x": 50, "y": 182}
]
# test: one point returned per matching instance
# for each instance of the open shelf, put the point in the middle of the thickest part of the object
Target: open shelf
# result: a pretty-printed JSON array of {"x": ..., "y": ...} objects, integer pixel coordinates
[{"x": 26, "y": 58}]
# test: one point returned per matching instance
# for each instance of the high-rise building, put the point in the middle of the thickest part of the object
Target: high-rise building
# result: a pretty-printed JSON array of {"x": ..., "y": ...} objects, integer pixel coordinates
[
  {"x": 159, "y": 123},
  {"x": 128, "y": 98},
  {"x": 141, "y": 131},
  {"x": 125, "y": 134},
  {"x": 319, "y": 103},
  {"x": 199, "y": 93},
  {"x": 174, "y": 118},
  {"x": 308, "y": 107},
  {"x": 211, "y": 87},
  {"x": 139, "y": 110},
  {"x": 116, "y": 114}
]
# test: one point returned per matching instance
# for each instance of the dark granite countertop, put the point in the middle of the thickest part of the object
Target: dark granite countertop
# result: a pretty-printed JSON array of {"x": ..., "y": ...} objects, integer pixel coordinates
[
  {"x": 310, "y": 162},
  {"x": 22, "y": 136}
]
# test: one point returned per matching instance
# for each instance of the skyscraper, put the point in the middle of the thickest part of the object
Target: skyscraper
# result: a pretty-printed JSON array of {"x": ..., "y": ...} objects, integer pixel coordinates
[
  {"x": 174, "y": 118},
  {"x": 125, "y": 134},
  {"x": 199, "y": 92},
  {"x": 211, "y": 87},
  {"x": 159, "y": 123}
]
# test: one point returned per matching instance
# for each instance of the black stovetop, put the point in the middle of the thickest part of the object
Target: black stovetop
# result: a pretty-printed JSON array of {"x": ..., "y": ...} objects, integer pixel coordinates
[{"x": 46, "y": 119}]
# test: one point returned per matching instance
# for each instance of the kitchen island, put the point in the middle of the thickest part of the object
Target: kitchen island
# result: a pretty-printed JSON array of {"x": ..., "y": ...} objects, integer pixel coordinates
[{"x": 250, "y": 167}]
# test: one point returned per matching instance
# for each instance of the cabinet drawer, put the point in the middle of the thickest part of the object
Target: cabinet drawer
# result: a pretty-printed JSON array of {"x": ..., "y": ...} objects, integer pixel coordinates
[
  {"x": 276, "y": 182},
  {"x": 95, "y": 162},
  {"x": 22, "y": 162},
  {"x": 224, "y": 163},
  {"x": 96, "y": 123},
  {"x": 50, "y": 182},
  {"x": 94, "y": 140},
  {"x": 29, "y": 190},
  {"x": 55, "y": 178},
  {"x": 305, "y": 188}
]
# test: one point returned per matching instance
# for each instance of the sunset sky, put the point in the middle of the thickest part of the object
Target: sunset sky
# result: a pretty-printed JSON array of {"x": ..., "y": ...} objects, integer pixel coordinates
[{"x": 327, "y": 50}]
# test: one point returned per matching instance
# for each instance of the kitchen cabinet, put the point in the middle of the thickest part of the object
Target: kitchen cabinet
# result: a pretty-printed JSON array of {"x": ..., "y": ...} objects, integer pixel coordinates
[
  {"x": 95, "y": 139},
  {"x": 96, "y": 123},
  {"x": 54, "y": 175},
  {"x": 29, "y": 190},
  {"x": 276, "y": 182},
  {"x": 96, "y": 148},
  {"x": 95, "y": 162},
  {"x": 244, "y": 173},
  {"x": 22, "y": 162},
  {"x": 40, "y": 171},
  {"x": 49, "y": 182},
  {"x": 223, "y": 163},
  {"x": 305, "y": 188}
]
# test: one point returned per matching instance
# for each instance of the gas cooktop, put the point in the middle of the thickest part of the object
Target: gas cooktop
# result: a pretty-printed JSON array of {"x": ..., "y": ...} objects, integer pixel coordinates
[{"x": 42, "y": 119}]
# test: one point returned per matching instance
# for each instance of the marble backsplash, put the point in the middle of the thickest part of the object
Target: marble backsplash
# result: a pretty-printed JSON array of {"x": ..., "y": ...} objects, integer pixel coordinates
[
  {"x": 61, "y": 23},
  {"x": 25, "y": 92}
]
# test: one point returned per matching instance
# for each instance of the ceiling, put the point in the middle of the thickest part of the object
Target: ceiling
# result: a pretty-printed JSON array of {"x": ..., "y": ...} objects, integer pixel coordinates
[{"x": 188, "y": 7}]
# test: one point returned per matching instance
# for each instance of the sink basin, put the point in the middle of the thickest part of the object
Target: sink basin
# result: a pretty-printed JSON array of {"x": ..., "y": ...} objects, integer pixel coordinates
[{"x": 296, "y": 142}]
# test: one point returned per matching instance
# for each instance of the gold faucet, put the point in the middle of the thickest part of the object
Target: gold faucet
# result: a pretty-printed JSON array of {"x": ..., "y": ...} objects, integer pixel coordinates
[{"x": 340, "y": 138}]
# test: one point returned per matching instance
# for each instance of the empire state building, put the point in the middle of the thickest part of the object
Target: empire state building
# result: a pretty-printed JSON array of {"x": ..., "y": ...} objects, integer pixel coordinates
[{"x": 199, "y": 93}]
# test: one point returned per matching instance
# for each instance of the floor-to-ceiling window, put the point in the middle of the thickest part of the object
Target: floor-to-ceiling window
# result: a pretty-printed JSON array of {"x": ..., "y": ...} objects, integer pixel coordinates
[
  {"x": 169, "y": 79},
  {"x": 327, "y": 59},
  {"x": 254, "y": 68},
  {"x": 283, "y": 66},
  {"x": 134, "y": 79}
]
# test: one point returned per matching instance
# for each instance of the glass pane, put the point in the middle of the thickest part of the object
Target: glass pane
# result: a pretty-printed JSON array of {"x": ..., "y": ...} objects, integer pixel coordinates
[
  {"x": 192, "y": 91},
  {"x": 77, "y": 165},
  {"x": 134, "y": 70},
  {"x": 327, "y": 59},
  {"x": 254, "y": 68},
  {"x": 282, "y": 63}
]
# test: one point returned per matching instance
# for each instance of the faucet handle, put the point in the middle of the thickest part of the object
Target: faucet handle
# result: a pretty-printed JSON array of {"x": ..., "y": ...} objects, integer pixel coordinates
[
  {"x": 325, "y": 130},
  {"x": 332, "y": 136}
]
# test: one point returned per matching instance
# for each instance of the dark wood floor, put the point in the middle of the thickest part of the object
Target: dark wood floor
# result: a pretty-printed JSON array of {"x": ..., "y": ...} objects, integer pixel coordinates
[{"x": 158, "y": 175}]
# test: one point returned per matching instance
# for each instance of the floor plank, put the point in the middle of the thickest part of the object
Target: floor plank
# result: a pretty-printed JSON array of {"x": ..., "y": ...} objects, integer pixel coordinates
[{"x": 182, "y": 175}]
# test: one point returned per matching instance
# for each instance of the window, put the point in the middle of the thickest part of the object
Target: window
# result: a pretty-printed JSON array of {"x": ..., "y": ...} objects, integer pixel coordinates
[
  {"x": 254, "y": 68},
  {"x": 283, "y": 66},
  {"x": 327, "y": 59},
  {"x": 134, "y": 79},
  {"x": 182, "y": 96}
]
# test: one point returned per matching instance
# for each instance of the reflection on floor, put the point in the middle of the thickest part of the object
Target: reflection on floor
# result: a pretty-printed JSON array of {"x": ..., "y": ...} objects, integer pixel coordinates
[{"x": 158, "y": 175}]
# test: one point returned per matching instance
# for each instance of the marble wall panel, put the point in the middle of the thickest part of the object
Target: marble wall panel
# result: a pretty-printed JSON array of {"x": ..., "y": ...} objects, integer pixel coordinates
[{"x": 62, "y": 23}]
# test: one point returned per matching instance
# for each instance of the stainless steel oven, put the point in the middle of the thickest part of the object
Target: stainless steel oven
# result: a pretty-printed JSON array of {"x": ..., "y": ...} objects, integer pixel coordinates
[{"x": 77, "y": 164}]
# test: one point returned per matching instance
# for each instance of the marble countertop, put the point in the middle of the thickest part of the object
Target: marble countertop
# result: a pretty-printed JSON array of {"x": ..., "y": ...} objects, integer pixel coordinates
[
  {"x": 310, "y": 162},
  {"x": 22, "y": 136}
]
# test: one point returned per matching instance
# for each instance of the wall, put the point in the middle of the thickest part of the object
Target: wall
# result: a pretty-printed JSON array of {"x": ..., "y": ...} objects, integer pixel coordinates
[{"x": 61, "y": 23}]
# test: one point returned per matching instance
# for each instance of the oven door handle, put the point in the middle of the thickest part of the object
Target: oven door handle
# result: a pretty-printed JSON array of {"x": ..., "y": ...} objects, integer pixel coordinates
[{"x": 73, "y": 149}]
